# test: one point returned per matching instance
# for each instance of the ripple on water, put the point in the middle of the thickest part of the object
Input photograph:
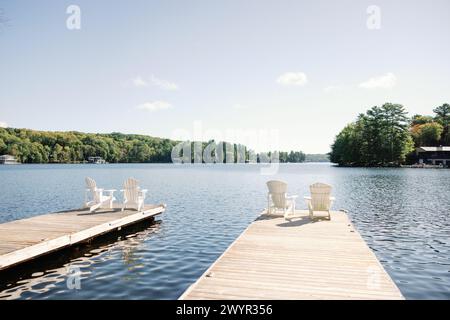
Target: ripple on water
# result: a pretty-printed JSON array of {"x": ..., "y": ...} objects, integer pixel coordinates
[{"x": 399, "y": 212}]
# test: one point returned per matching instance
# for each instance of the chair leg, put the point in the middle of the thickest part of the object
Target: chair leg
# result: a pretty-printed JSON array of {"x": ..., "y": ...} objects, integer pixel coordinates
[
  {"x": 86, "y": 199},
  {"x": 94, "y": 207},
  {"x": 308, "y": 202}
]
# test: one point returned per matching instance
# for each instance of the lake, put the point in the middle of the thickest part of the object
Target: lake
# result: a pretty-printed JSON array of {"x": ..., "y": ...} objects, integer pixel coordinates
[{"x": 403, "y": 214}]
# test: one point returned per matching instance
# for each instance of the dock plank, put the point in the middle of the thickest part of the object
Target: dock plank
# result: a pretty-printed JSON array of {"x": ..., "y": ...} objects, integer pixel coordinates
[
  {"x": 26, "y": 239},
  {"x": 298, "y": 259}
]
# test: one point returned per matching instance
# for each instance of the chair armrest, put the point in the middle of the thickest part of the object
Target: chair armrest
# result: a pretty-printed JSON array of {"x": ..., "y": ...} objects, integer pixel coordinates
[
  {"x": 110, "y": 190},
  {"x": 307, "y": 198},
  {"x": 294, "y": 196},
  {"x": 332, "y": 198}
]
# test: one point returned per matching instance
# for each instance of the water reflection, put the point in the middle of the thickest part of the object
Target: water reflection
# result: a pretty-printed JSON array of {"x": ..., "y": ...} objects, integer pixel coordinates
[{"x": 46, "y": 273}]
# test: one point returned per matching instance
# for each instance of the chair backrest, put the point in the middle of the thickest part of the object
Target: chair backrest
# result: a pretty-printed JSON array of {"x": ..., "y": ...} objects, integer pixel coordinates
[
  {"x": 320, "y": 196},
  {"x": 131, "y": 189},
  {"x": 277, "y": 190},
  {"x": 92, "y": 186}
]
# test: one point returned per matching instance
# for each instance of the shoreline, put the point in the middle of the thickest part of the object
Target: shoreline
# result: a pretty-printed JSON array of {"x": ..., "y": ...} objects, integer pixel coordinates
[
  {"x": 228, "y": 164},
  {"x": 203, "y": 163}
]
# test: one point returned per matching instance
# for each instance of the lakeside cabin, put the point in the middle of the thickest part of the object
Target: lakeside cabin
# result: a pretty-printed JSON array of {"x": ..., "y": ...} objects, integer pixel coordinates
[
  {"x": 8, "y": 159},
  {"x": 96, "y": 160},
  {"x": 434, "y": 155}
]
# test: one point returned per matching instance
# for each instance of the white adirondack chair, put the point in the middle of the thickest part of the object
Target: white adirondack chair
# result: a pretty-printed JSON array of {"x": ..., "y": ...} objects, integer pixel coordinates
[
  {"x": 133, "y": 195},
  {"x": 94, "y": 197},
  {"x": 320, "y": 199},
  {"x": 278, "y": 199}
]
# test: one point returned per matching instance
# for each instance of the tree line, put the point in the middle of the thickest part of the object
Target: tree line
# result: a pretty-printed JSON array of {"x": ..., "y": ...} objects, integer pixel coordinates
[
  {"x": 386, "y": 136},
  {"x": 31, "y": 146}
]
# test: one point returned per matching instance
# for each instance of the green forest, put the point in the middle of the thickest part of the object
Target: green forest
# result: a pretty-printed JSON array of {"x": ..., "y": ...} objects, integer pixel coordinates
[
  {"x": 31, "y": 146},
  {"x": 386, "y": 136},
  {"x": 317, "y": 157}
]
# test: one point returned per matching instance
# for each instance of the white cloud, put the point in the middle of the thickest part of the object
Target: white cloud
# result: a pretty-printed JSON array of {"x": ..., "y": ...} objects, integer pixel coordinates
[
  {"x": 154, "y": 81},
  {"x": 163, "y": 84},
  {"x": 387, "y": 81},
  {"x": 139, "y": 82},
  {"x": 155, "y": 106},
  {"x": 3, "y": 124},
  {"x": 292, "y": 79}
]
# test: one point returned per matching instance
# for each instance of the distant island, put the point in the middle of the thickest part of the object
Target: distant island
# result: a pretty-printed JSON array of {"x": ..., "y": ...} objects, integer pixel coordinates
[
  {"x": 385, "y": 136},
  {"x": 317, "y": 157},
  {"x": 32, "y": 146}
]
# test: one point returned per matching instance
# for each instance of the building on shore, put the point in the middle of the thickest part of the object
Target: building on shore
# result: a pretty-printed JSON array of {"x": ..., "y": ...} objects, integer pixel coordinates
[
  {"x": 96, "y": 160},
  {"x": 434, "y": 155},
  {"x": 8, "y": 159}
]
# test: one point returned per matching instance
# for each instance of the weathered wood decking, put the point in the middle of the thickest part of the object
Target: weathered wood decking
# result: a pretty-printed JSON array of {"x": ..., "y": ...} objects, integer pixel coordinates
[
  {"x": 25, "y": 239},
  {"x": 298, "y": 259}
]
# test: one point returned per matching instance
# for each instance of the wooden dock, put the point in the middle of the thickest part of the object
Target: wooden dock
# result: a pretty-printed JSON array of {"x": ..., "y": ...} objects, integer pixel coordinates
[
  {"x": 298, "y": 259},
  {"x": 26, "y": 239}
]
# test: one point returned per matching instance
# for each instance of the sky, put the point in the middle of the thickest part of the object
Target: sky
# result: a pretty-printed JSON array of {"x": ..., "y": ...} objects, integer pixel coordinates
[{"x": 286, "y": 75}]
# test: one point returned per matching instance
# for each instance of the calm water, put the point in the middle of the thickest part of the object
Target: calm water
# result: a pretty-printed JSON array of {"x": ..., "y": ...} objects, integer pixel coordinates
[{"x": 403, "y": 214}]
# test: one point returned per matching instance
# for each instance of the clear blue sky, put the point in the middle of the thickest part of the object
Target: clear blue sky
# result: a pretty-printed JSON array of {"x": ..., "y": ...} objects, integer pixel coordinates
[{"x": 303, "y": 68}]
